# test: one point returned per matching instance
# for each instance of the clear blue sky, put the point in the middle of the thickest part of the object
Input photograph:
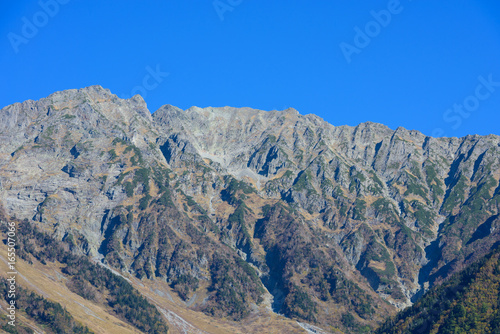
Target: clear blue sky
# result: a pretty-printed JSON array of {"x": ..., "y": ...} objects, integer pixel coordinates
[{"x": 268, "y": 55}]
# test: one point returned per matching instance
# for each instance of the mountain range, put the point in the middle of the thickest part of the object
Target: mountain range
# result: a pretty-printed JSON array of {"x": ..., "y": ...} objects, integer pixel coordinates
[{"x": 241, "y": 220}]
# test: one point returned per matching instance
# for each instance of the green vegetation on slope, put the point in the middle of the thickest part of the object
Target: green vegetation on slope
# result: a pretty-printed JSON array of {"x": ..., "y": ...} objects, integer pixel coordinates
[
  {"x": 50, "y": 315},
  {"x": 233, "y": 283},
  {"x": 90, "y": 280},
  {"x": 469, "y": 302}
]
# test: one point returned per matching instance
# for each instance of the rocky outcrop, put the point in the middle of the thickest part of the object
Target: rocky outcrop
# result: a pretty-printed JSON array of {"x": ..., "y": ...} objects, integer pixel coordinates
[{"x": 243, "y": 203}]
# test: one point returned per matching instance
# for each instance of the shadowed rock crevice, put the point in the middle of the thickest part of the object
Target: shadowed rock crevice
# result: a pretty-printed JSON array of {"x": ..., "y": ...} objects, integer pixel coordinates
[
  {"x": 335, "y": 220},
  {"x": 483, "y": 230}
]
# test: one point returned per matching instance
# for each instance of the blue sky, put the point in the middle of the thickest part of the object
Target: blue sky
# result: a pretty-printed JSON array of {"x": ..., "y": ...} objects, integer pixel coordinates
[{"x": 433, "y": 66}]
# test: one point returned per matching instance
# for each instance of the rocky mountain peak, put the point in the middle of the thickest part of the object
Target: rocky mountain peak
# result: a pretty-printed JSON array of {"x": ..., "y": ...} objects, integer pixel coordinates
[{"x": 256, "y": 205}]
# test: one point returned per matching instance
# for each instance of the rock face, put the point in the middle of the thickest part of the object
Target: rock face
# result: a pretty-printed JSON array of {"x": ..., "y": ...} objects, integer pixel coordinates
[
  {"x": 243, "y": 205},
  {"x": 466, "y": 301}
]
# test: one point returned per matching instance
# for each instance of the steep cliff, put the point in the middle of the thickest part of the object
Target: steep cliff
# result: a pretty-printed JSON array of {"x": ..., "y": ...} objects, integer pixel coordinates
[{"x": 239, "y": 209}]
